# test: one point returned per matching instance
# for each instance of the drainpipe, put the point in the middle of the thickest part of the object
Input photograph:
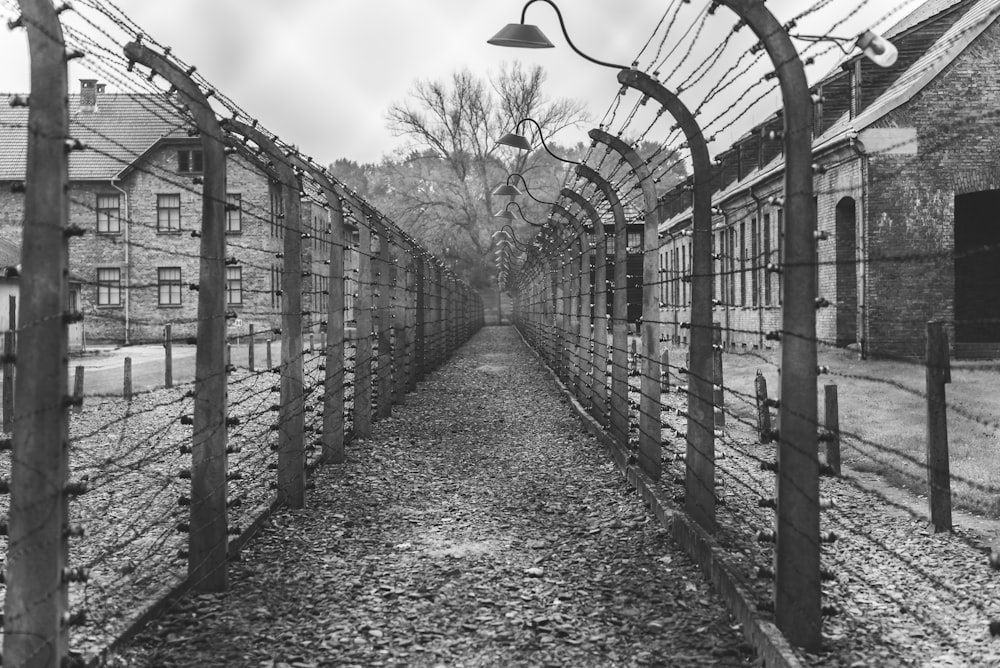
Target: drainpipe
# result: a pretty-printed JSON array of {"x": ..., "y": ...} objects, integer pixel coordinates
[
  {"x": 128, "y": 263},
  {"x": 862, "y": 248}
]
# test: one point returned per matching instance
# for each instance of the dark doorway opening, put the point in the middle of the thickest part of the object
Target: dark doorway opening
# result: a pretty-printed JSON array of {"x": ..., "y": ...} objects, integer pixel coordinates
[
  {"x": 847, "y": 272},
  {"x": 977, "y": 267}
]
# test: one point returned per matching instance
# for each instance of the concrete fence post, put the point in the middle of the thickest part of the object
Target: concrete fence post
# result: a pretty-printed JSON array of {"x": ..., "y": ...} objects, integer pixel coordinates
[
  {"x": 36, "y": 599},
  {"x": 208, "y": 538}
]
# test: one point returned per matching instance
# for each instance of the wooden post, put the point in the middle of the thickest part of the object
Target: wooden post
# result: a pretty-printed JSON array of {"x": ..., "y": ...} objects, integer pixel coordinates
[
  {"x": 718, "y": 380},
  {"x": 8, "y": 381},
  {"x": 250, "y": 360},
  {"x": 78, "y": 390},
  {"x": 168, "y": 357},
  {"x": 267, "y": 354},
  {"x": 127, "y": 381},
  {"x": 764, "y": 432},
  {"x": 938, "y": 473},
  {"x": 832, "y": 435}
]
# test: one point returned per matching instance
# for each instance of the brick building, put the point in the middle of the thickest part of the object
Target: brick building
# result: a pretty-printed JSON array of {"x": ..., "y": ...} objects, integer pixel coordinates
[
  {"x": 135, "y": 192},
  {"x": 907, "y": 189}
]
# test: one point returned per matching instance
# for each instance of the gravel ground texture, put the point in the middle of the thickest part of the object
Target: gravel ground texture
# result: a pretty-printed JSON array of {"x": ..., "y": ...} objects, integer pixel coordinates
[{"x": 479, "y": 526}]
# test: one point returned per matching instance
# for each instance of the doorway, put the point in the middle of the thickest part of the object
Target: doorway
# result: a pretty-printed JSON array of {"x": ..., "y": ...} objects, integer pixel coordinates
[
  {"x": 977, "y": 267},
  {"x": 847, "y": 271}
]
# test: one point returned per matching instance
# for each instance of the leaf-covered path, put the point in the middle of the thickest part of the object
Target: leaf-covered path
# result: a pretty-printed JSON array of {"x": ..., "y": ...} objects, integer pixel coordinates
[{"x": 480, "y": 526}]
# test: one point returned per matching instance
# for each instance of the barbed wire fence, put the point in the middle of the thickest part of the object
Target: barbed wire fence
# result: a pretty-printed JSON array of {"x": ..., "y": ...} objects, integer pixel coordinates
[
  {"x": 113, "y": 503},
  {"x": 666, "y": 408}
]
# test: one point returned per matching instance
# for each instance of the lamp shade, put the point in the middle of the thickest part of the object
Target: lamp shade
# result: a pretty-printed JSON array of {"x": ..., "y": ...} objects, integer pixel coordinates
[
  {"x": 877, "y": 49},
  {"x": 505, "y": 214},
  {"x": 515, "y": 140},
  {"x": 521, "y": 35},
  {"x": 508, "y": 190}
]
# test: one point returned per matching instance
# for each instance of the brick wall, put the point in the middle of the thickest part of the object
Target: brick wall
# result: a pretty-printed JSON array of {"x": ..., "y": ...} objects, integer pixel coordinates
[{"x": 911, "y": 197}]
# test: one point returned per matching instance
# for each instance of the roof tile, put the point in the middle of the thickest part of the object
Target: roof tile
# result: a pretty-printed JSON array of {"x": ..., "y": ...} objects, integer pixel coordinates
[{"x": 116, "y": 132}]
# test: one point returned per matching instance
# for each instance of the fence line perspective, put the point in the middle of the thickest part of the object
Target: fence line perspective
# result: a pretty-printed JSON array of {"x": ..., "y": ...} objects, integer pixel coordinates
[{"x": 108, "y": 500}]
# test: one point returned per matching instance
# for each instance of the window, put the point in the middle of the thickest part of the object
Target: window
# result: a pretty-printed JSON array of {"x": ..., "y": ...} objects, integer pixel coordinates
[
  {"x": 768, "y": 259},
  {"x": 277, "y": 211},
  {"x": 234, "y": 213},
  {"x": 169, "y": 281},
  {"x": 686, "y": 276},
  {"x": 275, "y": 286},
  {"x": 781, "y": 253},
  {"x": 634, "y": 242},
  {"x": 190, "y": 161},
  {"x": 168, "y": 213},
  {"x": 234, "y": 285},
  {"x": 676, "y": 296},
  {"x": 109, "y": 286},
  {"x": 109, "y": 214},
  {"x": 754, "y": 262},
  {"x": 721, "y": 269},
  {"x": 731, "y": 255},
  {"x": 743, "y": 264}
]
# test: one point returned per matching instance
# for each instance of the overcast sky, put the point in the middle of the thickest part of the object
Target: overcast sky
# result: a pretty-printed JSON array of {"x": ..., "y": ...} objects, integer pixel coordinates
[{"x": 322, "y": 73}]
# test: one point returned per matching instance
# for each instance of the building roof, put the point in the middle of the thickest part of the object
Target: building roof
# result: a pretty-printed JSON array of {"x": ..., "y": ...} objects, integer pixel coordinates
[
  {"x": 976, "y": 20},
  {"x": 918, "y": 76},
  {"x": 119, "y": 130},
  {"x": 927, "y": 10}
]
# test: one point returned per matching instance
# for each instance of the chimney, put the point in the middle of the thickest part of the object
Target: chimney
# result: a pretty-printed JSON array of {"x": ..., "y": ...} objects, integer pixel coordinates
[{"x": 88, "y": 94}]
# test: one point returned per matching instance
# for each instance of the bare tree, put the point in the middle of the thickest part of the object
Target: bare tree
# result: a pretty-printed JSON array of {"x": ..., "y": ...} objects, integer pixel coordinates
[{"x": 442, "y": 184}]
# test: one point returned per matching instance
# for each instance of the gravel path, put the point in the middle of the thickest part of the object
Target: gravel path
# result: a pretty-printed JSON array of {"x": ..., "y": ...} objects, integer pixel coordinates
[{"x": 478, "y": 527}]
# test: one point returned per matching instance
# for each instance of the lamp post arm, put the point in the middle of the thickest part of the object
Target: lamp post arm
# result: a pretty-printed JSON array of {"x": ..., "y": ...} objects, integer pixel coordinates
[
  {"x": 562, "y": 25},
  {"x": 521, "y": 213},
  {"x": 527, "y": 189},
  {"x": 542, "y": 138}
]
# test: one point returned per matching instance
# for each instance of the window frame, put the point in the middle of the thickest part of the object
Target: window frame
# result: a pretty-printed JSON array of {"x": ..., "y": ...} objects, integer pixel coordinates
[
  {"x": 161, "y": 209},
  {"x": 230, "y": 281},
  {"x": 107, "y": 286},
  {"x": 117, "y": 209},
  {"x": 234, "y": 199},
  {"x": 172, "y": 285},
  {"x": 188, "y": 160}
]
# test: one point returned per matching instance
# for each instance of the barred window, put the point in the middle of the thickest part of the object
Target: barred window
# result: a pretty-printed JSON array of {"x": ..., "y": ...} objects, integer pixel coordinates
[
  {"x": 169, "y": 282},
  {"x": 109, "y": 286},
  {"x": 109, "y": 214},
  {"x": 168, "y": 213}
]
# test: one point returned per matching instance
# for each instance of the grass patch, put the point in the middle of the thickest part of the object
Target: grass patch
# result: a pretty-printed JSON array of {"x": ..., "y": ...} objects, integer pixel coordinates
[{"x": 883, "y": 418}]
